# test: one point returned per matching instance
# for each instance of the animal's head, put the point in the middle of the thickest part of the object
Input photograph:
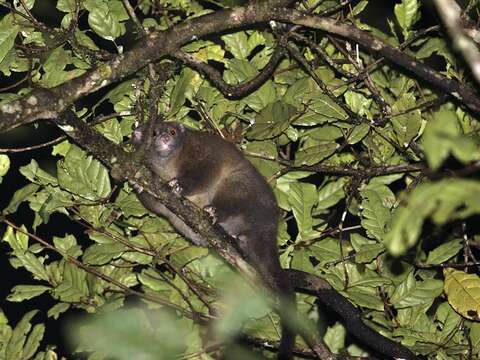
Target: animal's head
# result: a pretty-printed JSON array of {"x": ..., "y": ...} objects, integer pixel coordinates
[{"x": 166, "y": 137}]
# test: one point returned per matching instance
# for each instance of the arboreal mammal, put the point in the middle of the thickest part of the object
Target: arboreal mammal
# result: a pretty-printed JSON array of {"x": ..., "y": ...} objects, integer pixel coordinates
[{"x": 214, "y": 175}]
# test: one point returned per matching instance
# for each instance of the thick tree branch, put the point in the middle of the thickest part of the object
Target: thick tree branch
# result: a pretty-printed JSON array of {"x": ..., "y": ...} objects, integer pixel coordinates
[
  {"x": 49, "y": 103},
  {"x": 460, "y": 91},
  {"x": 313, "y": 285},
  {"x": 124, "y": 166}
]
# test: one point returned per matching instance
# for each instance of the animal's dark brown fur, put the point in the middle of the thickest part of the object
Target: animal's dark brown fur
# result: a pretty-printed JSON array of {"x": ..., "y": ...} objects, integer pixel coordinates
[{"x": 214, "y": 174}]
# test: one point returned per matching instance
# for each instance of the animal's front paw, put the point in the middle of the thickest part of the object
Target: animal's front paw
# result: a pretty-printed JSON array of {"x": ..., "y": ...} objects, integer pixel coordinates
[
  {"x": 137, "y": 187},
  {"x": 212, "y": 212},
  {"x": 175, "y": 186}
]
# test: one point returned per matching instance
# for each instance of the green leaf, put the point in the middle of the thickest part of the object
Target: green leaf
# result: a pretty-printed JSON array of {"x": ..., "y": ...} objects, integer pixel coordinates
[
  {"x": 20, "y": 196},
  {"x": 17, "y": 240},
  {"x": 376, "y": 204},
  {"x": 83, "y": 175},
  {"x": 380, "y": 150},
  {"x": 335, "y": 337},
  {"x": 272, "y": 121},
  {"x": 438, "y": 46},
  {"x": 8, "y": 32},
  {"x": 33, "y": 264},
  {"x": 49, "y": 200},
  {"x": 177, "y": 99},
  {"x": 111, "y": 130},
  {"x": 314, "y": 154},
  {"x": 359, "y": 7},
  {"x": 357, "y": 102},
  {"x": 15, "y": 346},
  {"x": 449, "y": 321},
  {"x": 54, "y": 73},
  {"x": 132, "y": 333},
  {"x": 57, "y": 309},
  {"x": 463, "y": 292},
  {"x": 254, "y": 305},
  {"x": 331, "y": 193},
  {"x": 407, "y": 13},
  {"x": 64, "y": 244},
  {"x": 240, "y": 45},
  {"x": 61, "y": 149},
  {"x": 322, "y": 104},
  {"x": 33, "y": 341},
  {"x": 242, "y": 70},
  {"x": 103, "y": 20},
  {"x": 444, "y": 252},
  {"x": 323, "y": 134},
  {"x": 412, "y": 292},
  {"x": 326, "y": 250},
  {"x": 302, "y": 199},
  {"x": 100, "y": 254},
  {"x": 475, "y": 337},
  {"x": 443, "y": 201},
  {"x": 237, "y": 44},
  {"x": 152, "y": 281},
  {"x": 442, "y": 137},
  {"x": 66, "y": 5},
  {"x": 73, "y": 287},
  {"x": 28, "y": 4},
  {"x": 4, "y": 165},
  {"x": 365, "y": 297},
  {"x": 406, "y": 126},
  {"x": 365, "y": 250},
  {"x": 25, "y": 292},
  {"x": 36, "y": 175},
  {"x": 358, "y": 133}
]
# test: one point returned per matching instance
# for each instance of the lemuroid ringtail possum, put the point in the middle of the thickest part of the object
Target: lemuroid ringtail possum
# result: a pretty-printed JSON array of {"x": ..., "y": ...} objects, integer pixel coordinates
[{"x": 213, "y": 174}]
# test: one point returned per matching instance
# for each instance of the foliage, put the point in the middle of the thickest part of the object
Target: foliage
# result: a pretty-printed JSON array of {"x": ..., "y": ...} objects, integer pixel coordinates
[{"x": 373, "y": 183}]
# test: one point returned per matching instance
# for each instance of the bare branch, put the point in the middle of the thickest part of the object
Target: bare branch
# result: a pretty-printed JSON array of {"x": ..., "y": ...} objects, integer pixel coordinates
[
  {"x": 450, "y": 13},
  {"x": 232, "y": 91}
]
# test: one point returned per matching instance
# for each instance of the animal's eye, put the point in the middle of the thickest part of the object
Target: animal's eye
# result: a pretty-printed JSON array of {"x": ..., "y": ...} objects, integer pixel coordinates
[{"x": 173, "y": 132}]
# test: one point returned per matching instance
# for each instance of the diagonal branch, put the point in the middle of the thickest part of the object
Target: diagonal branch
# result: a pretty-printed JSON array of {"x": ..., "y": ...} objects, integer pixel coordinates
[
  {"x": 463, "y": 92},
  {"x": 125, "y": 166},
  {"x": 50, "y": 103},
  {"x": 313, "y": 285}
]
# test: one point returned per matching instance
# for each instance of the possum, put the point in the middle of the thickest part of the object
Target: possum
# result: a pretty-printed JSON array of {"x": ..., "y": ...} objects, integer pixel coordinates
[{"x": 213, "y": 174}]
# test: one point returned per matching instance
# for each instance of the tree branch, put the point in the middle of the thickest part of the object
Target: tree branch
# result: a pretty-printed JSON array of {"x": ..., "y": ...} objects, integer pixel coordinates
[
  {"x": 450, "y": 13},
  {"x": 124, "y": 166},
  {"x": 50, "y": 103},
  {"x": 313, "y": 285},
  {"x": 463, "y": 92},
  {"x": 232, "y": 91}
]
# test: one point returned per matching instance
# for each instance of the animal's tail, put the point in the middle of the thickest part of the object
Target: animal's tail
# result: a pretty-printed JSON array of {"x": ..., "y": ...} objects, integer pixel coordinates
[
  {"x": 288, "y": 309},
  {"x": 265, "y": 259}
]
